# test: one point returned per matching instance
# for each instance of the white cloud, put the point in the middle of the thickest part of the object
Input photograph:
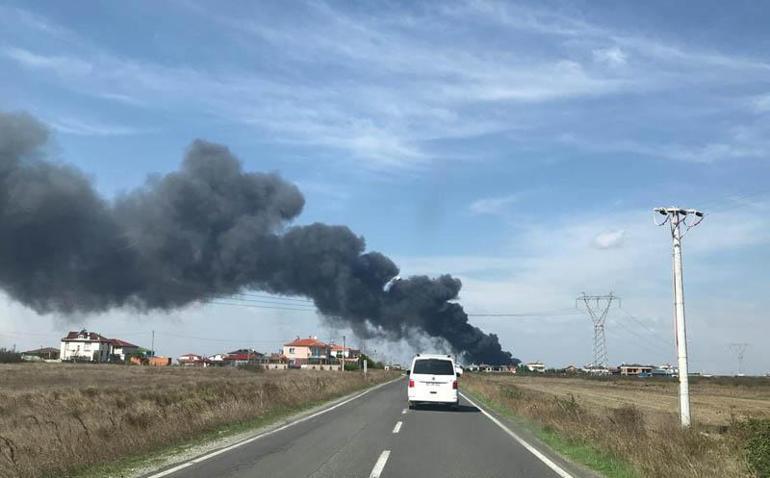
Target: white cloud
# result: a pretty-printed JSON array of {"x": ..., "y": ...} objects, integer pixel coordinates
[
  {"x": 493, "y": 205},
  {"x": 406, "y": 80},
  {"x": 761, "y": 103},
  {"x": 87, "y": 128},
  {"x": 613, "y": 56},
  {"x": 609, "y": 240},
  {"x": 61, "y": 65}
]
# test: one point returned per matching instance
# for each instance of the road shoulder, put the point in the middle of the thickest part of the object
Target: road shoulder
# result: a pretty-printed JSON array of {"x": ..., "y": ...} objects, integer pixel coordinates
[
  {"x": 526, "y": 433},
  {"x": 228, "y": 437}
]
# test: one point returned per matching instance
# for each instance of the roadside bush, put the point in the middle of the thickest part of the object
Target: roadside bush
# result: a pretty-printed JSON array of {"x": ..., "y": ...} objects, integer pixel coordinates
[
  {"x": 755, "y": 434},
  {"x": 9, "y": 356}
]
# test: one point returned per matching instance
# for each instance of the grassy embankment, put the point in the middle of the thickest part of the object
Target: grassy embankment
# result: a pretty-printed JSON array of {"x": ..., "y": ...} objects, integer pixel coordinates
[
  {"x": 629, "y": 427},
  {"x": 70, "y": 420}
]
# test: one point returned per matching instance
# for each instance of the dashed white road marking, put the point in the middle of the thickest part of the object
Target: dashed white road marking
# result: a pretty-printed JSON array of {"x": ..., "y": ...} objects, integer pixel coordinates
[
  {"x": 205, "y": 457},
  {"x": 397, "y": 428},
  {"x": 556, "y": 468},
  {"x": 403, "y": 412},
  {"x": 380, "y": 465}
]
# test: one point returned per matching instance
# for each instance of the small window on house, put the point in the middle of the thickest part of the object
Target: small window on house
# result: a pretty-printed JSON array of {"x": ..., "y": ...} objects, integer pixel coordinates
[{"x": 291, "y": 350}]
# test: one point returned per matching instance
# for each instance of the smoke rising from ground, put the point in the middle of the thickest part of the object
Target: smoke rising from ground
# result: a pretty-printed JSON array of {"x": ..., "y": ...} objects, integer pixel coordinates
[{"x": 208, "y": 230}]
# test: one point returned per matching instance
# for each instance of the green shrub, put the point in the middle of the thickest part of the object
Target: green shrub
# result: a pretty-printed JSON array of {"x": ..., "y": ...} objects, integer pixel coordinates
[{"x": 756, "y": 445}]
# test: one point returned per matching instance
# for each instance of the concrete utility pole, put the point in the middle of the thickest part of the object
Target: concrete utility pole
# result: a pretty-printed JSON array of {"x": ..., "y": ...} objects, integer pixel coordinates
[
  {"x": 677, "y": 219},
  {"x": 344, "y": 359},
  {"x": 740, "y": 350},
  {"x": 153, "y": 344},
  {"x": 597, "y": 307}
]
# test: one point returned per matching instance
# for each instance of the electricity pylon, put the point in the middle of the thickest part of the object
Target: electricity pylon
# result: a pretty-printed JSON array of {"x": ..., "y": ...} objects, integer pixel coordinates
[
  {"x": 677, "y": 219},
  {"x": 597, "y": 307},
  {"x": 740, "y": 350}
]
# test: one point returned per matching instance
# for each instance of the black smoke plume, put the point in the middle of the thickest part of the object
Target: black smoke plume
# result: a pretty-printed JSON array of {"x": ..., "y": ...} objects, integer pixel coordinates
[{"x": 208, "y": 230}]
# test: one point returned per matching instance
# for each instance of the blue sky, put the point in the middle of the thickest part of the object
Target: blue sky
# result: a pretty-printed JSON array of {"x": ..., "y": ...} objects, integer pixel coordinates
[{"x": 519, "y": 146}]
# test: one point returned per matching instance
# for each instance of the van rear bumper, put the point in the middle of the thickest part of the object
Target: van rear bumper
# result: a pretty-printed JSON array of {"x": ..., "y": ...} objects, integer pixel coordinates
[{"x": 428, "y": 398}]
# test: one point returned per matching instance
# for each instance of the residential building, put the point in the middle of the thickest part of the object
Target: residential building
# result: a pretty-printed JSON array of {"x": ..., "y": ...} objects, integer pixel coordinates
[
  {"x": 635, "y": 369},
  {"x": 309, "y": 350},
  {"x": 536, "y": 367},
  {"x": 85, "y": 346},
  {"x": 665, "y": 370},
  {"x": 193, "y": 360},
  {"x": 347, "y": 353},
  {"x": 244, "y": 357},
  {"x": 43, "y": 353},
  {"x": 121, "y": 349}
]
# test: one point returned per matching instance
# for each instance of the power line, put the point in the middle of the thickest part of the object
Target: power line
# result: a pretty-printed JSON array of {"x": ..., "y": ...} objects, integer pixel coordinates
[
  {"x": 261, "y": 301},
  {"x": 525, "y": 314},
  {"x": 255, "y": 306},
  {"x": 653, "y": 333}
]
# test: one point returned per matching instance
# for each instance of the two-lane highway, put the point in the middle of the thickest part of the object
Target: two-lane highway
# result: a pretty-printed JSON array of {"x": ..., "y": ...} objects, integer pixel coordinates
[{"x": 375, "y": 435}]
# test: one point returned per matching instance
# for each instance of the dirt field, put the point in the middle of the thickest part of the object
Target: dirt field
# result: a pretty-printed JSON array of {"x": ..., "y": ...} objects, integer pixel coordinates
[
  {"x": 57, "y": 418},
  {"x": 712, "y": 401}
]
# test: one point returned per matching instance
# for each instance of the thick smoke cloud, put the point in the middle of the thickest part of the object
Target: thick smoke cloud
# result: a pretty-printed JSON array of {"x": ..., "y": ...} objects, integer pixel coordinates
[{"x": 208, "y": 230}]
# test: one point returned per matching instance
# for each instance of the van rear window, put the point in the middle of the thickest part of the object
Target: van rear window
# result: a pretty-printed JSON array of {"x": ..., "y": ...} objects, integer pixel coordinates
[{"x": 434, "y": 367}]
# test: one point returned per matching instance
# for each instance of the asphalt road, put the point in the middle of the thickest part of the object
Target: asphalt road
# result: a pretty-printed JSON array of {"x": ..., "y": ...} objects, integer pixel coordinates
[{"x": 377, "y": 436}]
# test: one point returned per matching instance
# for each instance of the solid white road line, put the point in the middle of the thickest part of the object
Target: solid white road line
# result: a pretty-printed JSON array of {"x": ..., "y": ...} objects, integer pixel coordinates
[
  {"x": 205, "y": 457},
  {"x": 380, "y": 465},
  {"x": 403, "y": 412},
  {"x": 397, "y": 428},
  {"x": 556, "y": 468}
]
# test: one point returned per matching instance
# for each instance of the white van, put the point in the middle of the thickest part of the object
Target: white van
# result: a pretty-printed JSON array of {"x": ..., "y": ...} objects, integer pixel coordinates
[{"x": 433, "y": 379}]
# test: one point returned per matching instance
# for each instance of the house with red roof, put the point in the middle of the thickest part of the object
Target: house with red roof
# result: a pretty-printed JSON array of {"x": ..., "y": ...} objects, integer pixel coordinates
[
  {"x": 307, "y": 350},
  {"x": 193, "y": 360},
  {"x": 340, "y": 352},
  {"x": 123, "y": 349},
  {"x": 85, "y": 346}
]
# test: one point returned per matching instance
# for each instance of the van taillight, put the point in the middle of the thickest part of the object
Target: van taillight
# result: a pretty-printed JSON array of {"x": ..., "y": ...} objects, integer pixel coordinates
[
  {"x": 454, "y": 385},
  {"x": 411, "y": 383}
]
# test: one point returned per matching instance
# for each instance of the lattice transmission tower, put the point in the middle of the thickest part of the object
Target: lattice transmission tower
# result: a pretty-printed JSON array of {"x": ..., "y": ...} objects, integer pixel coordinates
[
  {"x": 739, "y": 349},
  {"x": 597, "y": 307}
]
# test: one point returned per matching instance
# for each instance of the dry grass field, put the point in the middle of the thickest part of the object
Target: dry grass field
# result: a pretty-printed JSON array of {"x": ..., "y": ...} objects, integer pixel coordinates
[
  {"x": 59, "y": 418},
  {"x": 636, "y": 421},
  {"x": 713, "y": 401}
]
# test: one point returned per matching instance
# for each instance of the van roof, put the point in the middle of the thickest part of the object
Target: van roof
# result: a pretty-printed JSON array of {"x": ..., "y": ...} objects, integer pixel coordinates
[{"x": 433, "y": 356}]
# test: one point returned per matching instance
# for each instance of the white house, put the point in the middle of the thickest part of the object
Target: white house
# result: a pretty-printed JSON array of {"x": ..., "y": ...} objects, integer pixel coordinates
[
  {"x": 122, "y": 349},
  {"x": 349, "y": 354},
  {"x": 85, "y": 346},
  {"x": 536, "y": 367}
]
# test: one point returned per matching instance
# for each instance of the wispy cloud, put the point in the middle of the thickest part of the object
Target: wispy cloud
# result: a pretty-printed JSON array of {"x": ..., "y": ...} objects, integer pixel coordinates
[
  {"x": 87, "y": 128},
  {"x": 609, "y": 240},
  {"x": 493, "y": 205},
  {"x": 403, "y": 81},
  {"x": 61, "y": 65}
]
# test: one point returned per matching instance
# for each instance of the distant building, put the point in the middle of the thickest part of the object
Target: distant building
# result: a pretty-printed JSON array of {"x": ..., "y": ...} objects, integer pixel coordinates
[
  {"x": 536, "y": 367},
  {"x": 665, "y": 370},
  {"x": 304, "y": 351},
  {"x": 635, "y": 369},
  {"x": 340, "y": 352},
  {"x": 243, "y": 357},
  {"x": 43, "y": 353},
  {"x": 122, "y": 349},
  {"x": 571, "y": 369},
  {"x": 193, "y": 360},
  {"x": 85, "y": 346}
]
